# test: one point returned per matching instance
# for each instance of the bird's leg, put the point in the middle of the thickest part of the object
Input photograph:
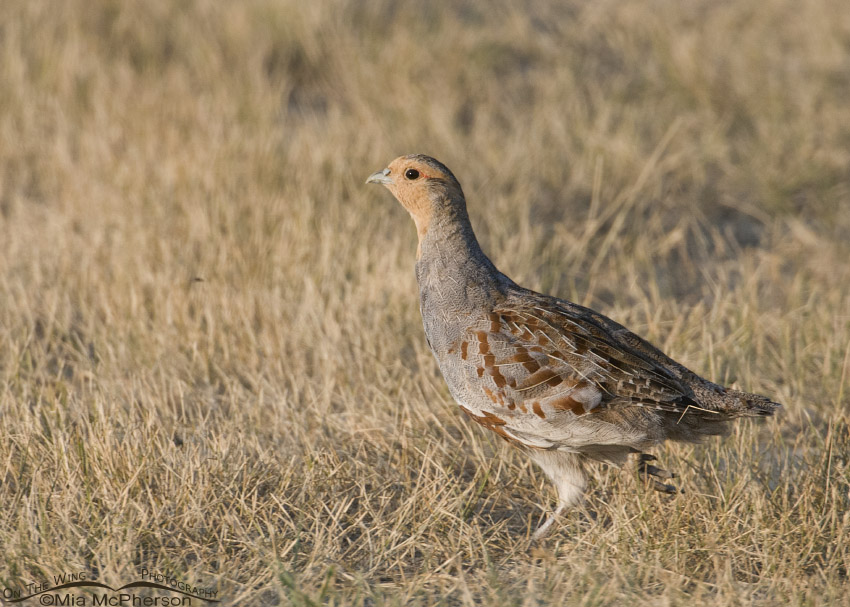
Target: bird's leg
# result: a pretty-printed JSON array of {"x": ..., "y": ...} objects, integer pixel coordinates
[
  {"x": 565, "y": 470},
  {"x": 543, "y": 530},
  {"x": 646, "y": 470}
]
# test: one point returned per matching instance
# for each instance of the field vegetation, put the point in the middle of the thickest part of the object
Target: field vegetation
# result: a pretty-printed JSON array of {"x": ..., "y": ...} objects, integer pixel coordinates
[{"x": 211, "y": 357}]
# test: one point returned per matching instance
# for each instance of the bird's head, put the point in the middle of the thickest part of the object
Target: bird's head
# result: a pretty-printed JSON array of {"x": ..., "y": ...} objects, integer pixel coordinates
[{"x": 423, "y": 186}]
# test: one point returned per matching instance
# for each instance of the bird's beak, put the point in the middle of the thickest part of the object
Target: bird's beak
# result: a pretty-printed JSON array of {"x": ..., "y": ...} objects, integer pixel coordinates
[{"x": 381, "y": 177}]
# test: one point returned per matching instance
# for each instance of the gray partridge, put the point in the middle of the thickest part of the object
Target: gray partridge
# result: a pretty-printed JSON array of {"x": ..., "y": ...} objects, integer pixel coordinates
[{"x": 561, "y": 381}]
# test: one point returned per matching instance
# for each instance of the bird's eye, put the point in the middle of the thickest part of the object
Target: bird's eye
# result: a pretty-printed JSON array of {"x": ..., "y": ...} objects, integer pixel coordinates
[{"x": 411, "y": 174}]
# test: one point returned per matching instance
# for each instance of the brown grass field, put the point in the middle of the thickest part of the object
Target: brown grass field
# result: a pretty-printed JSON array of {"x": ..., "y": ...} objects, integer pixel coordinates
[{"x": 212, "y": 362}]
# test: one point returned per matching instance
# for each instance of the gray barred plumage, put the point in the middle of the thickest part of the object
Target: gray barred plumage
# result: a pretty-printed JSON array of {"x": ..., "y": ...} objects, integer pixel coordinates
[{"x": 559, "y": 380}]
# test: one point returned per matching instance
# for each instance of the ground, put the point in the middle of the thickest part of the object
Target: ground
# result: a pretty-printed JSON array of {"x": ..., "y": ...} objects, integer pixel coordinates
[{"x": 211, "y": 358}]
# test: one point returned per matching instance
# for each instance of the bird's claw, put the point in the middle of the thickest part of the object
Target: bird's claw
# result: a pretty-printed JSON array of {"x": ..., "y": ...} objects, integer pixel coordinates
[{"x": 647, "y": 470}]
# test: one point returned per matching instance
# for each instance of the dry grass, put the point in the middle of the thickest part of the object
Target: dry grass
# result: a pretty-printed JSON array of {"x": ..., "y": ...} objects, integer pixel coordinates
[{"x": 211, "y": 357}]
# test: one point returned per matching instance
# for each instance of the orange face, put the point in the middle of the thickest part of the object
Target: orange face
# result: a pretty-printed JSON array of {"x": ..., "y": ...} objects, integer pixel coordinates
[{"x": 419, "y": 183}]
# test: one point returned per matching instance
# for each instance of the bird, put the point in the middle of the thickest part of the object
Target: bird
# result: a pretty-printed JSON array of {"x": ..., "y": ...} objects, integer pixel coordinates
[{"x": 560, "y": 381}]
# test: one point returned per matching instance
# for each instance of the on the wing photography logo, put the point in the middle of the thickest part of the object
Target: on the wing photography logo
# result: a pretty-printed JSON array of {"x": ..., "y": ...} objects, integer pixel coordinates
[{"x": 152, "y": 589}]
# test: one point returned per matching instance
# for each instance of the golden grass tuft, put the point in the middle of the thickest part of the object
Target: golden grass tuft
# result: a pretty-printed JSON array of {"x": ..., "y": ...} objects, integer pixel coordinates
[{"x": 211, "y": 357}]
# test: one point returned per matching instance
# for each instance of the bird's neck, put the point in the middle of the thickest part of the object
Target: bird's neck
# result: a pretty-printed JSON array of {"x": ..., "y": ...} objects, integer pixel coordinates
[{"x": 454, "y": 274}]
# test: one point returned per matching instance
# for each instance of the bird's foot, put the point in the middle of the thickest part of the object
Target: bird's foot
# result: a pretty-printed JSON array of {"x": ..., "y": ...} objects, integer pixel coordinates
[
  {"x": 544, "y": 529},
  {"x": 647, "y": 470},
  {"x": 547, "y": 526}
]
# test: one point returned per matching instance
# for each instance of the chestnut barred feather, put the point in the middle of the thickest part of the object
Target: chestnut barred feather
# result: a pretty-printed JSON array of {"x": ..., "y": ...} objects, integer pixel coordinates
[{"x": 557, "y": 379}]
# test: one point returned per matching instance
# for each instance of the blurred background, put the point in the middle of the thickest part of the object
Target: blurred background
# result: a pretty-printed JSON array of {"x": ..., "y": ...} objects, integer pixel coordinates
[{"x": 211, "y": 356}]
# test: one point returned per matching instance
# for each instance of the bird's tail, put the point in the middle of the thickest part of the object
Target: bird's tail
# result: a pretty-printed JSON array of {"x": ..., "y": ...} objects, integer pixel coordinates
[{"x": 749, "y": 405}]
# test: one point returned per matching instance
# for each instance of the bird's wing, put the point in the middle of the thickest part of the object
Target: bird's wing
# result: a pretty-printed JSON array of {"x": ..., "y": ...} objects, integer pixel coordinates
[{"x": 542, "y": 365}]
